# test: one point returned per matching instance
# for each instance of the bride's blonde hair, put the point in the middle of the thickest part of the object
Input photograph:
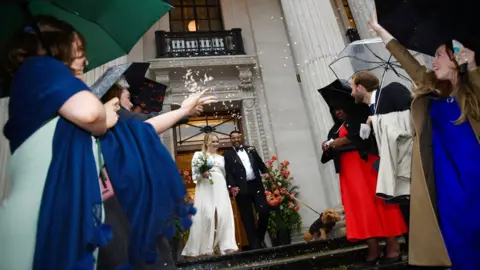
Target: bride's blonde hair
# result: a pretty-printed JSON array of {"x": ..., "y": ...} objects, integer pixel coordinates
[{"x": 207, "y": 140}]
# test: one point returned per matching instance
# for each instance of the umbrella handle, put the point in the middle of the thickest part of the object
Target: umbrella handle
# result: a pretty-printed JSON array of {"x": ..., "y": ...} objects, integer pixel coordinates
[{"x": 31, "y": 20}]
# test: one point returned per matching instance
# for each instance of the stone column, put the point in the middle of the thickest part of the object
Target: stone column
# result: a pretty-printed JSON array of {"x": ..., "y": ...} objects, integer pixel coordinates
[
  {"x": 316, "y": 39},
  {"x": 362, "y": 11}
]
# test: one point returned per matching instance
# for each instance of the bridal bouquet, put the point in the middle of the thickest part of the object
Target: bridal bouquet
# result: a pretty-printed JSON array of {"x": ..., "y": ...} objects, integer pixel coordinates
[{"x": 203, "y": 164}]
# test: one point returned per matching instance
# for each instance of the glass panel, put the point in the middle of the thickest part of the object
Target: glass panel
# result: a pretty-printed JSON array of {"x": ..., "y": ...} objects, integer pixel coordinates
[
  {"x": 214, "y": 13},
  {"x": 188, "y": 13},
  {"x": 176, "y": 26},
  {"x": 188, "y": 2},
  {"x": 200, "y": 2},
  {"x": 203, "y": 25},
  {"x": 216, "y": 25},
  {"x": 176, "y": 14},
  {"x": 190, "y": 26},
  {"x": 212, "y": 2},
  {"x": 202, "y": 13}
]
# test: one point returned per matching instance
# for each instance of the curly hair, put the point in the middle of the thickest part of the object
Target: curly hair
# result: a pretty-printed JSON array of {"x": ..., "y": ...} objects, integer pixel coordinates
[{"x": 57, "y": 35}]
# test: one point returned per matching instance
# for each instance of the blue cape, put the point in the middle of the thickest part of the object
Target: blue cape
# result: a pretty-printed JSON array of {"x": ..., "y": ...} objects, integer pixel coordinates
[{"x": 145, "y": 178}]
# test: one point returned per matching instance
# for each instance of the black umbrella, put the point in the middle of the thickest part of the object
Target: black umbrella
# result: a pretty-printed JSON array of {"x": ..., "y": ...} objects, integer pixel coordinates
[
  {"x": 146, "y": 93},
  {"x": 337, "y": 95},
  {"x": 423, "y": 25}
]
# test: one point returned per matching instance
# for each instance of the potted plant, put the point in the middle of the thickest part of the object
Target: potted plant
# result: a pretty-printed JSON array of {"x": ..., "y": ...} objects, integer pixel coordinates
[{"x": 281, "y": 193}]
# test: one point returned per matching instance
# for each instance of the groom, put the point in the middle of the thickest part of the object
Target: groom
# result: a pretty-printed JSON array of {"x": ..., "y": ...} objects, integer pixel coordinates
[{"x": 243, "y": 166}]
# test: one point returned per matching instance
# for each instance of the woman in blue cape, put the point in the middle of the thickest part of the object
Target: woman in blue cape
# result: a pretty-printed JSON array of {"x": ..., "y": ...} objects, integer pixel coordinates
[{"x": 53, "y": 217}]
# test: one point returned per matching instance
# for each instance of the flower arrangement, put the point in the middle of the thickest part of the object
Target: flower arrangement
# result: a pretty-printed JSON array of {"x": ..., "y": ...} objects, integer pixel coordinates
[
  {"x": 281, "y": 193},
  {"x": 187, "y": 179},
  {"x": 203, "y": 164}
]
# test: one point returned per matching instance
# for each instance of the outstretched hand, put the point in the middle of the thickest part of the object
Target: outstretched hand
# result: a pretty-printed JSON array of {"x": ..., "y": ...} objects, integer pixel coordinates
[
  {"x": 467, "y": 56},
  {"x": 192, "y": 103},
  {"x": 376, "y": 27}
]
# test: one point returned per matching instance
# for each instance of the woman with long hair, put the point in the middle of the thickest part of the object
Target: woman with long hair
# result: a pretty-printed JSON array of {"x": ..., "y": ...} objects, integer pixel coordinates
[
  {"x": 446, "y": 157},
  {"x": 48, "y": 102},
  {"x": 213, "y": 224}
]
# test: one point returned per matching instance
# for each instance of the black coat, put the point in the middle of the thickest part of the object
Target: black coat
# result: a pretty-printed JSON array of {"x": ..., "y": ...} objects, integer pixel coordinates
[
  {"x": 236, "y": 173},
  {"x": 394, "y": 97},
  {"x": 352, "y": 124}
]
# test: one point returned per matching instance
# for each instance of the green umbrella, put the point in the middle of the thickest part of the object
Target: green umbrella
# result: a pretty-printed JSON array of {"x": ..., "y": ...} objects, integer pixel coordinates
[{"x": 110, "y": 27}]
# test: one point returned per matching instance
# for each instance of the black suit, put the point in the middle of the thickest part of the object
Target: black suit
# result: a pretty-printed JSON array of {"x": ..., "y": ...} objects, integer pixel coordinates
[{"x": 251, "y": 192}]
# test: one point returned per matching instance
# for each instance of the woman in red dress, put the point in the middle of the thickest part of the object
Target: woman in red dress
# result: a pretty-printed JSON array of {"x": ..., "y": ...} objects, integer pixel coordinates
[{"x": 367, "y": 217}]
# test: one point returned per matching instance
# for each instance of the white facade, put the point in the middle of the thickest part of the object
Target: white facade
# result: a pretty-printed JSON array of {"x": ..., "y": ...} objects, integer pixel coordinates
[{"x": 282, "y": 116}]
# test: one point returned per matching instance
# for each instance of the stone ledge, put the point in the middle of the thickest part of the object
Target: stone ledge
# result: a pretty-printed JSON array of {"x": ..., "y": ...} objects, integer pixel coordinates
[{"x": 185, "y": 62}]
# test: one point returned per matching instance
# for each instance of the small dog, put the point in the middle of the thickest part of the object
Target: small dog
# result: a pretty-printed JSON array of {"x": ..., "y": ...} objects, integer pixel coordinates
[{"x": 323, "y": 225}]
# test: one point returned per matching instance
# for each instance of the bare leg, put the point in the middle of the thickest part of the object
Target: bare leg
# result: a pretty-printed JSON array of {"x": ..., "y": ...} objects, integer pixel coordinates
[
  {"x": 393, "y": 248},
  {"x": 373, "y": 249}
]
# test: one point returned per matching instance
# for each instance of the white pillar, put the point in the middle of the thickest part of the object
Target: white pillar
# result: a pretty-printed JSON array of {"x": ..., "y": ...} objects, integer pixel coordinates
[
  {"x": 362, "y": 11},
  {"x": 4, "y": 151},
  {"x": 316, "y": 40}
]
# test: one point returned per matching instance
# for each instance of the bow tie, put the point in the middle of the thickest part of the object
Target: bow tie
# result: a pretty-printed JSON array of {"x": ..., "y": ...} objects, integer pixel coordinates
[{"x": 240, "y": 148}]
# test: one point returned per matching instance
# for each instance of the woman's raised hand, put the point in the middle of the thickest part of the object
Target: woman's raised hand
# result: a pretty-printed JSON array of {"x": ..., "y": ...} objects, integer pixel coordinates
[
  {"x": 376, "y": 27},
  {"x": 467, "y": 56},
  {"x": 191, "y": 104},
  {"x": 111, "y": 109}
]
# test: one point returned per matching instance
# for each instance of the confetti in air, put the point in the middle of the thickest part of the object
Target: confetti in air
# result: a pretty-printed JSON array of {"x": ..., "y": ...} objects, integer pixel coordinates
[{"x": 191, "y": 83}]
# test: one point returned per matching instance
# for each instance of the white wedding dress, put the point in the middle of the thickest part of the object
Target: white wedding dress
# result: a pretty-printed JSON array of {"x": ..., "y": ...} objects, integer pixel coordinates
[{"x": 209, "y": 198}]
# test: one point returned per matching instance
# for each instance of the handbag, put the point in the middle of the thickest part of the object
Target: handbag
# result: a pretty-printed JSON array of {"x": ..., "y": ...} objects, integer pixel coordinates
[{"x": 105, "y": 184}]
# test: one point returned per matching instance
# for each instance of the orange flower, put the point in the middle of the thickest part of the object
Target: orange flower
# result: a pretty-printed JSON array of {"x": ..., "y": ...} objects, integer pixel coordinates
[
  {"x": 291, "y": 205},
  {"x": 270, "y": 162},
  {"x": 268, "y": 193},
  {"x": 274, "y": 187},
  {"x": 286, "y": 162},
  {"x": 283, "y": 190},
  {"x": 282, "y": 165},
  {"x": 186, "y": 173},
  {"x": 285, "y": 173},
  {"x": 297, "y": 207},
  {"x": 274, "y": 158},
  {"x": 276, "y": 192}
]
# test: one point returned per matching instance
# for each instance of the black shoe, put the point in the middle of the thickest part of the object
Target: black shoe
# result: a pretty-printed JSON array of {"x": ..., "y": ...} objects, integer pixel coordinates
[
  {"x": 365, "y": 265},
  {"x": 387, "y": 261},
  {"x": 263, "y": 245}
]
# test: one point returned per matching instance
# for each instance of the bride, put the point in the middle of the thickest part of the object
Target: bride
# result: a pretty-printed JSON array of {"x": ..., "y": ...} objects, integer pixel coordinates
[{"x": 213, "y": 224}]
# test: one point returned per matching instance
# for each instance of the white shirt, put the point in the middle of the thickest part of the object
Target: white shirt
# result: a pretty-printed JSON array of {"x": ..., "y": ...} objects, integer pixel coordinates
[
  {"x": 372, "y": 97},
  {"x": 246, "y": 163}
]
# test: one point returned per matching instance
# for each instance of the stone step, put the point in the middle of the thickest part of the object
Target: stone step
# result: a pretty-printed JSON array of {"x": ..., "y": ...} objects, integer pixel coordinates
[{"x": 332, "y": 254}]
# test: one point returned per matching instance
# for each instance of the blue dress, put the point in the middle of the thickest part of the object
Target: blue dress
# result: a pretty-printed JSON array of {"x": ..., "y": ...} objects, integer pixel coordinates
[{"x": 456, "y": 156}]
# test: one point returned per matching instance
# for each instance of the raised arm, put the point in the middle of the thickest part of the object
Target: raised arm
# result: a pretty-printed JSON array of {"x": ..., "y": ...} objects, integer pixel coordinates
[
  {"x": 167, "y": 120},
  {"x": 85, "y": 110},
  {"x": 403, "y": 56}
]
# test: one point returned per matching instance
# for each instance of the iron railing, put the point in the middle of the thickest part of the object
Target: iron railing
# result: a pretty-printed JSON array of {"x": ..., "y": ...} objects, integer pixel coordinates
[{"x": 191, "y": 44}]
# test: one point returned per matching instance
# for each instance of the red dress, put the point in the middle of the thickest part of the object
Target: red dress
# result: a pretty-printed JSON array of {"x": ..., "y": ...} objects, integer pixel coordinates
[{"x": 366, "y": 216}]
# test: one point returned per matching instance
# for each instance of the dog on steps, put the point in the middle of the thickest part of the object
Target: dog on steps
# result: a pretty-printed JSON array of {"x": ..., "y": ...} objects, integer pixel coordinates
[{"x": 323, "y": 225}]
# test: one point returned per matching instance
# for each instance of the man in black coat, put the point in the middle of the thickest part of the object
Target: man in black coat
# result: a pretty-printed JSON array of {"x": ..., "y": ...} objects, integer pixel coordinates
[{"x": 243, "y": 166}]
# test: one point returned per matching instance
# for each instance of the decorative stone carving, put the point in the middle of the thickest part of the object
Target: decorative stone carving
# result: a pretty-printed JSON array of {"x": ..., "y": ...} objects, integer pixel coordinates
[
  {"x": 163, "y": 76},
  {"x": 245, "y": 75}
]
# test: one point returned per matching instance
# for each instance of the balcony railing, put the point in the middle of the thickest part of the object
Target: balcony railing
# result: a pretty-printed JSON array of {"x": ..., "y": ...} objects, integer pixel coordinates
[{"x": 190, "y": 44}]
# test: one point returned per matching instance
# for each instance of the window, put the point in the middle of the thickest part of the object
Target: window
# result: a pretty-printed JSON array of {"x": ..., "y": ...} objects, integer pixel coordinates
[
  {"x": 193, "y": 132},
  {"x": 196, "y": 15}
]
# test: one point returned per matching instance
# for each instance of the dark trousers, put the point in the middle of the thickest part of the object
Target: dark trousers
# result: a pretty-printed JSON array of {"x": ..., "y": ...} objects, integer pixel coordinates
[
  {"x": 405, "y": 209},
  {"x": 254, "y": 197},
  {"x": 115, "y": 253}
]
